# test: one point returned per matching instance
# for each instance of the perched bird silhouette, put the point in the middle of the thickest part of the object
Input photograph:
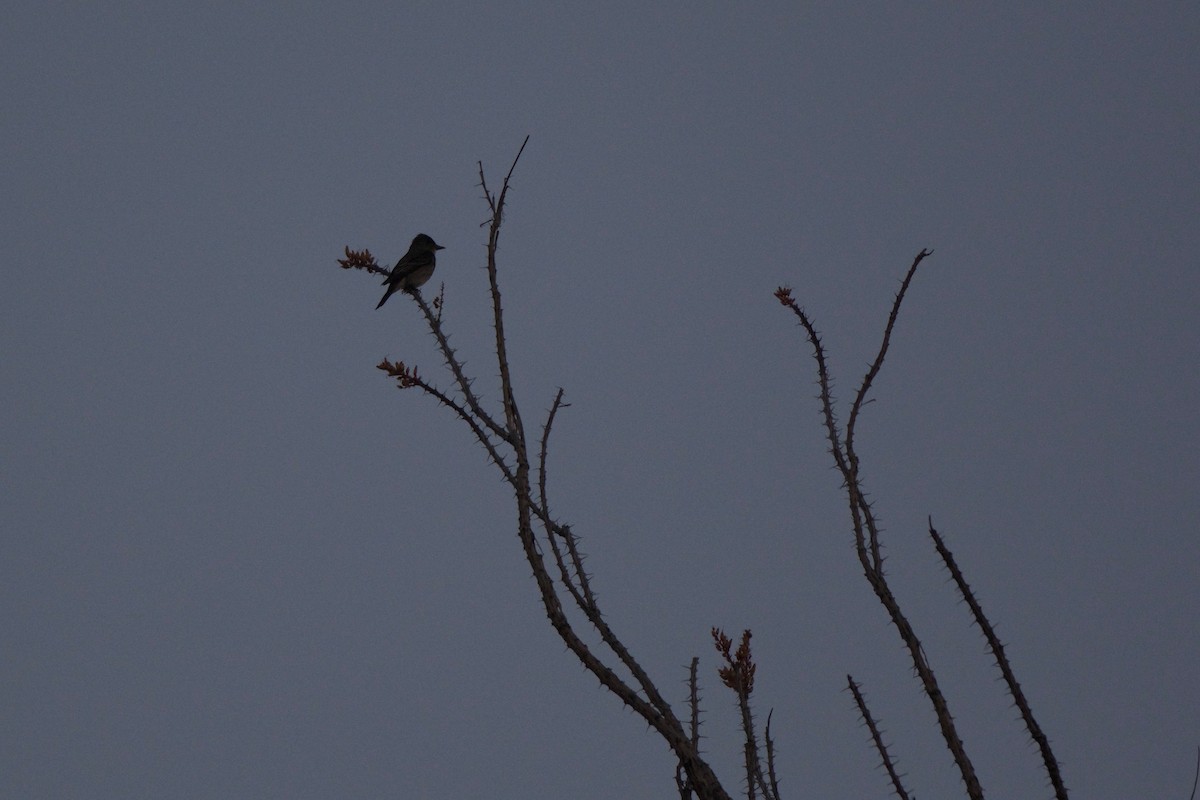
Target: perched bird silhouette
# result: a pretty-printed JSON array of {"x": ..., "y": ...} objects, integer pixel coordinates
[{"x": 414, "y": 268}]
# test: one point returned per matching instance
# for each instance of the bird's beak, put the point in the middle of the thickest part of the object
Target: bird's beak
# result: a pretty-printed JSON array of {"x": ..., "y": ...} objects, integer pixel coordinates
[{"x": 438, "y": 247}]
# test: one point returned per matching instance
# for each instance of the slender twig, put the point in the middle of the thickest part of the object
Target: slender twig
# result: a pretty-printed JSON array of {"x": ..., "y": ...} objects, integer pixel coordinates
[
  {"x": 750, "y": 747},
  {"x": 823, "y": 380},
  {"x": 865, "y": 387},
  {"x": 865, "y": 525},
  {"x": 542, "y": 450},
  {"x": 512, "y": 415},
  {"x": 1196, "y": 777},
  {"x": 877, "y": 364},
  {"x": 409, "y": 378},
  {"x": 579, "y": 587},
  {"x": 770, "y": 745},
  {"x": 1002, "y": 663},
  {"x": 694, "y": 701},
  {"x": 877, "y": 739},
  {"x": 464, "y": 385}
]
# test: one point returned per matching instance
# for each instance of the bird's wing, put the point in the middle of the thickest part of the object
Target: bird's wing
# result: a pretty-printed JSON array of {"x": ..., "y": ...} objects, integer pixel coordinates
[
  {"x": 398, "y": 270},
  {"x": 407, "y": 266}
]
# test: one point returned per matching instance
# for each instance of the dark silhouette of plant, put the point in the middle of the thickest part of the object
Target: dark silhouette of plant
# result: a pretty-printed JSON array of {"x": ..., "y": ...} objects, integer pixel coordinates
[
  {"x": 561, "y": 580},
  {"x": 866, "y": 541},
  {"x": 738, "y": 676},
  {"x": 565, "y": 588}
]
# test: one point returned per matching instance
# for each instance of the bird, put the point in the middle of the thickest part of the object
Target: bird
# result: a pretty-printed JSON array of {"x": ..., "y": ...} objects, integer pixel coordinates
[{"x": 413, "y": 269}]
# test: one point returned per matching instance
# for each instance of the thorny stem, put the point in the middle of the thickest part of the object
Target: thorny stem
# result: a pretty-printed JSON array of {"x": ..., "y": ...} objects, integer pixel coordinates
[
  {"x": 1002, "y": 663},
  {"x": 865, "y": 387},
  {"x": 451, "y": 360},
  {"x": 645, "y": 699},
  {"x": 877, "y": 739},
  {"x": 866, "y": 531}
]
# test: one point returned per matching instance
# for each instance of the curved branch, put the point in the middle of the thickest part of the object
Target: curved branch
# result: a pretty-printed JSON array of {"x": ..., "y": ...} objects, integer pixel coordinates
[
  {"x": 652, "y": 708},
  {"x": 877, "y": 364},
  {"x": 866, "y": 529}
]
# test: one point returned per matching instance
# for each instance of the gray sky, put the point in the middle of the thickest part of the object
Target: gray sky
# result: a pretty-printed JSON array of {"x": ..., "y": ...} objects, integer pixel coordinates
[{"x": 239, "y": 564}]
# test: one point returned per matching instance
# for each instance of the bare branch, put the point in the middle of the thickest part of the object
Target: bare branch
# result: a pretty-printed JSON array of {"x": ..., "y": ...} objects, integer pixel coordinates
[
  {"x": 512, "y": 416},
  {"x": 877, "y": 739},
  {"x": 455, "y": 366},
  {"x": 770, "y": 745},
  {"x": 784, "y": 294},
  {"x": 1010, "y": 679},
  {"x": 681, "y": 780},
  {"x": 1196, "y": 778},
  {"x": 877, "y": 364},
  {"x": 407, "y": 377},
  {"x": 554, "y": 407},
  {"x": 866, "y": 529},
  {"x": 694, "y": 701}
]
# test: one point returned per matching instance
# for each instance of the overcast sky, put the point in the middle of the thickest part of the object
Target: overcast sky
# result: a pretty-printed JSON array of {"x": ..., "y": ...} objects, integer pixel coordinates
[{"x": 238, "y": 563}]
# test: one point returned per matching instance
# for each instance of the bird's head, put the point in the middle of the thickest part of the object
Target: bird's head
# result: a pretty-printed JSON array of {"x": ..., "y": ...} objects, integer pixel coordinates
[{"x": 424, "y": 242}]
